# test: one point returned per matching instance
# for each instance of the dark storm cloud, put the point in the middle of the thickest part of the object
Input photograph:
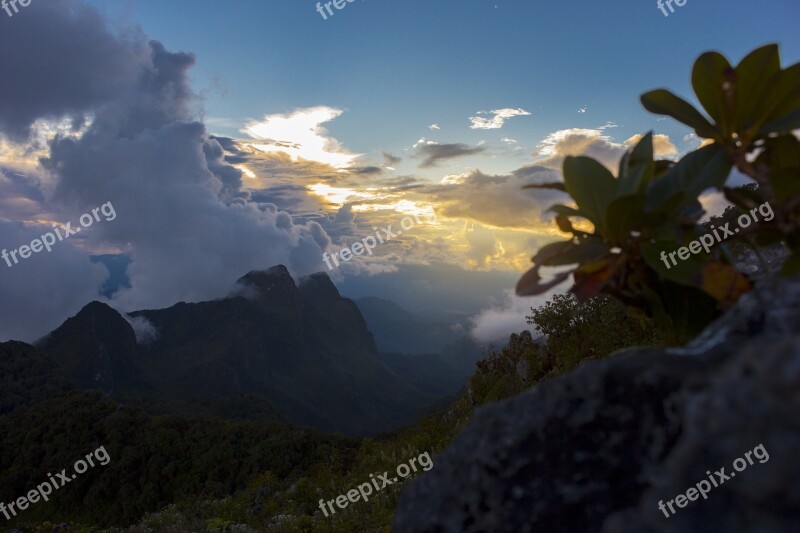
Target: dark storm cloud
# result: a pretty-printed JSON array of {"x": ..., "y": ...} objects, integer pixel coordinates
[{"x": 60, "y": 58}]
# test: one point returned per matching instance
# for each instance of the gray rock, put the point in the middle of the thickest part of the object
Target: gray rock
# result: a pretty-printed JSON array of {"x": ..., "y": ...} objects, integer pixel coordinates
[{"x": 597, "y": 449}]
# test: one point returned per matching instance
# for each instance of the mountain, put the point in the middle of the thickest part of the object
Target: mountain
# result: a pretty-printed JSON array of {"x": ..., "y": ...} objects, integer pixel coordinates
[
  {"x": 303, "y": 350},
  {"x": 436, "y": 356},
  {"x": 97, "y": 349},
  {"x": 398, "y": 330}
]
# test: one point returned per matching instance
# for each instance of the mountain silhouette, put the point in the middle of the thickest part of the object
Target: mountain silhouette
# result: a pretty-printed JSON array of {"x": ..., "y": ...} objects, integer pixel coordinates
[{"x": 303, "y": 350}]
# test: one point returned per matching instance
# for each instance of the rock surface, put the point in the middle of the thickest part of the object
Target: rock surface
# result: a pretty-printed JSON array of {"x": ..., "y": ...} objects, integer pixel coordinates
[{"x": 597, "y": 449}]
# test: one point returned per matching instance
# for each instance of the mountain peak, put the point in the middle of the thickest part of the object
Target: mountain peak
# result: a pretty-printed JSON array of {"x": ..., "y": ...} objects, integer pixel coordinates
[
  {"x": 319, "y": 285},
  {"x": 96, "y": 348},
  {"x": 274, "y": 285}
]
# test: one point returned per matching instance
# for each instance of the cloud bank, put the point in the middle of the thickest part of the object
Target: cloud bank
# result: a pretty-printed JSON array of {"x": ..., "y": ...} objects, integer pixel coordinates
[{"x": 183, "y": 216}]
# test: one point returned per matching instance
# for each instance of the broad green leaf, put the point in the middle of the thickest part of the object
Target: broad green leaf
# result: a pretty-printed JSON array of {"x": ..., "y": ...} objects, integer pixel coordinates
[
  {"x": 714, "y": 82},
  {"x": 682, "y": 271},
  {"x": 753, "y": 75},
  {"x": 636, "y": 168},
  {"x": 785, "y": 124},
  {"x": 565, "y": 225},
  {"x": 782, "y": 155},
  {"x": 704, "y": 168},
  {"x": 530, "y": 284},
  {"x": 554, "y": 249},
  {"x": 785, "y": 184},
  {"x": 782, "y": 98},
  {"x": 556, "y": 185},
  {"x": 592, "y": 187},
  {"x": 623, "y": 164},
  {"x": 565, "y": 210},
  {"x": 625, "y": 214},
  {"x": 570, "y": 252},
  {"x": 661, "y": 166},
  {"x": 689, "y": 309},
  {"x": 663, "y": 102}
]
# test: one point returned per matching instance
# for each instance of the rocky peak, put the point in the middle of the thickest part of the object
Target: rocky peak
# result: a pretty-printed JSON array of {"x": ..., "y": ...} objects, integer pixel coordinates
[
  {"x": 319, "y": 286},
  {"x": 274, "y": 286}
]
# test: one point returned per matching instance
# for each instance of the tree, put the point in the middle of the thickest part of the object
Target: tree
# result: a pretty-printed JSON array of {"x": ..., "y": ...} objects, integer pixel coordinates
[{"x": 590, "y": 331}]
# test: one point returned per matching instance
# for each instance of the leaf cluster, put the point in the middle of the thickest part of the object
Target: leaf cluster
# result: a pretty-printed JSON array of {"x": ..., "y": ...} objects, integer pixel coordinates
[{"x": 652, "y": 206}]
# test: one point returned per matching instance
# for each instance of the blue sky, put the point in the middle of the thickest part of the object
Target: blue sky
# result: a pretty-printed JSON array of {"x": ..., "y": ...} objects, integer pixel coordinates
[
  {"x": 396, "y": 67},
  {"x": 284, "y": 137}
]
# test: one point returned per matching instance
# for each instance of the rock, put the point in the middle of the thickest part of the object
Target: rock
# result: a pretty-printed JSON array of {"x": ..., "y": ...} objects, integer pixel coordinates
[
  {"x": 598, "y": 448},
  {"x": 262, "y": 496}
]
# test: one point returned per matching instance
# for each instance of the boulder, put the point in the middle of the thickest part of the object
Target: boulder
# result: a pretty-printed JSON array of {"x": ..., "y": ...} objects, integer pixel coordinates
[{"x": 597, "y": 449}]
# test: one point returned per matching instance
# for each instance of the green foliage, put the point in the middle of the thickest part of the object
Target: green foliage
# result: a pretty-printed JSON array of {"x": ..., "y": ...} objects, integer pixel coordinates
[
  {"x": 518, "y": 366},
  {"x": 593, "y": 330},
  {"x": 652, "y": 206},
  {"x": 171, "y": 473},
  {"x": 155, "y": 461}
]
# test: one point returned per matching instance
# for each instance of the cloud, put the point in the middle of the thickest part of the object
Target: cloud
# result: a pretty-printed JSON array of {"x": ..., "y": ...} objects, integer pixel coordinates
[
  {"x": 496, "y": 200},
  {"x": 38, "y": 293},
  {"x": 82, "y": 66},
  {"x": 366, "y": 171},
  {"x": 497, "y": 120},
  {"x": 184, "y": 215},
  {"x": 483, "y": 245},
  {"x": 433, "y": 152},
  {"x": 497, "y": 323},
  {"x": 662, "y": 145},
  {"x": 301, "y": 135},
  {"x": 146, "y": 333},
  {"x": 390, "y": 160},
  {"x": 583, "y": 109},
  {"x": 434, "y": 127},
  {"x": 593, "y": 143}
]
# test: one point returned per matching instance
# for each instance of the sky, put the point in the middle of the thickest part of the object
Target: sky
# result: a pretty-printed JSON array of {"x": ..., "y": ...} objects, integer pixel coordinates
[{"x": 232, "y": 136}]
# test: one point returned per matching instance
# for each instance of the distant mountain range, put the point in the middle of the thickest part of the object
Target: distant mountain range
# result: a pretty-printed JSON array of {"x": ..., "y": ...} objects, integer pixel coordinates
[
  {"x": 391, "y": 324},
  {"x": 435, "y": 355},
  {"x": 303, "y": 353}
]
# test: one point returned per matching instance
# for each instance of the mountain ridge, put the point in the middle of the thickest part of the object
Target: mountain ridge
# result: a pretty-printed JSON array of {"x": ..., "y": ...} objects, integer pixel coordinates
[{"x": 305, "y": 350}]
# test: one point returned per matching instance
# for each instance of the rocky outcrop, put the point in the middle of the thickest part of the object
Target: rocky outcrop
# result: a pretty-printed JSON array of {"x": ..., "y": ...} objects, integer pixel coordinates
[{"x": 597, "y": 449}]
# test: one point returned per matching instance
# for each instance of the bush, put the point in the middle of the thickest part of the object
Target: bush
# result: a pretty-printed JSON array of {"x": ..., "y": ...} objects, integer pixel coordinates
[
  {"x": 590, "y": 331},
  {"x": 652, "y": 206}
]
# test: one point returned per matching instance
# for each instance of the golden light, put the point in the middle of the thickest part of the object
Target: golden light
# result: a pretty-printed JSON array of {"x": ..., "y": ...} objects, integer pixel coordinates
[
  {"x": 338, "y": 196},
  {"x": 246, "y": 171}
]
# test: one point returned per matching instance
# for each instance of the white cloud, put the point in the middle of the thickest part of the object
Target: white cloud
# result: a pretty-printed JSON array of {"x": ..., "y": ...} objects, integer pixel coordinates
[
  {"x": 497, "y": 120},
  {"x": 424, "y": 142},
  {"x": 596, "y": 144},
  {"x": 496, "y": 324},
  {"x": 301, "y": 135},
  {"x": 662, "y": 145}
]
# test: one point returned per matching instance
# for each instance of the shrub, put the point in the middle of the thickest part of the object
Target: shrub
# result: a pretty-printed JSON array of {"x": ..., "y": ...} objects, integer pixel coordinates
[{"x": 652, "y": 206}]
